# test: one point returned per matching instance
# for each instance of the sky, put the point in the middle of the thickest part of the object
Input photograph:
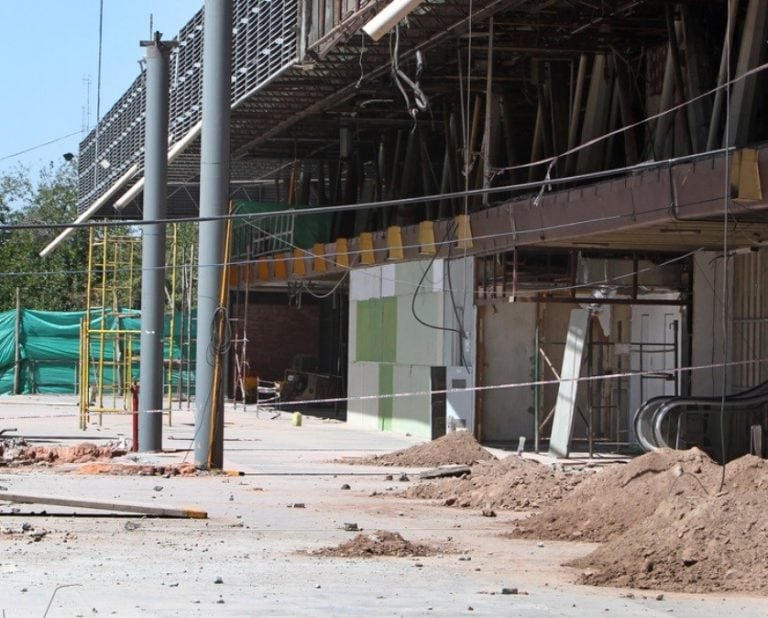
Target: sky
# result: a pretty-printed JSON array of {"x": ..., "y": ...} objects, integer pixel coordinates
[{"x": 50, "y": 49}]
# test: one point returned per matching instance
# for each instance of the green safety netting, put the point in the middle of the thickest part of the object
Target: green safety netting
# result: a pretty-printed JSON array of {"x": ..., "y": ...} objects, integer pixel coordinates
[
  {"x": 49, "y": 349},
  {"x": 305, "y": 230}
]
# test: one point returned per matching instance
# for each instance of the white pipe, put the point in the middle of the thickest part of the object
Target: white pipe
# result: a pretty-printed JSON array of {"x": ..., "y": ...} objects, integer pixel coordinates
[
  {"x": 89, "y": 212},
  {"x": 389, "y": 17},
  {"x": 173, "y": 152}
]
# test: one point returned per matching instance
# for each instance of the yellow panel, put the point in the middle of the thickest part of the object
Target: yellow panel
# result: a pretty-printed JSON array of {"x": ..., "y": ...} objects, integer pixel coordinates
[
  {"x": 318, "y": 264},
  {"x": 263, "y": 270},
  {"x": 463, "y": 232},
  {"x": 366, "y": 249},
  {"x": 234, "y": 275},
  {"x": 281, "y": 269},
  {"x": 342, "y": 253},
  {"x": 394, "y": 242},
  {"x": 299, "y": 267},
  {"x": 749, "y": 177},
  {"x": 427, "y": 238}
]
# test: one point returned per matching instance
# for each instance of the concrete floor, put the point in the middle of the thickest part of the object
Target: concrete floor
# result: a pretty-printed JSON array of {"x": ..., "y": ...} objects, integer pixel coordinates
[{"x": 253, "y": 542}]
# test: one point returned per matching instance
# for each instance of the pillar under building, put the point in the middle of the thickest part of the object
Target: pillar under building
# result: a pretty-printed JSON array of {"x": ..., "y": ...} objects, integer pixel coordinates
[
  {"x": 214, "y": 199},
  {"x": 153, "y": 245}
]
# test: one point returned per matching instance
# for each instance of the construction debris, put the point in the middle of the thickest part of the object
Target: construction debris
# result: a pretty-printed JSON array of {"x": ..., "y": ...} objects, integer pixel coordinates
[
  {"x": 694, "y": 542},
  {"x": 133, "y": 469},
  {"x": 120, "y": 507},
  {"x": 512, "y": 483},
  {"x": 458, "y": 448},
  {"x": 18, "y": 452},
  {"x": 378, "y": 543},
  {"x": 612, "y": 500},
  {"x": 445, "y": 472}
]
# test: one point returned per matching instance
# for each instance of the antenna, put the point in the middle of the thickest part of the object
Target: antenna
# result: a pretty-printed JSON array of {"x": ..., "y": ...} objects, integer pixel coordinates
[{"x": 86, "y": 109}]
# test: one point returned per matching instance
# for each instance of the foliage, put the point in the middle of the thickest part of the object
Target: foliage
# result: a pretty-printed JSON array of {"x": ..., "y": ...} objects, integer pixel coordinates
[{"x": 54, "y": 283}]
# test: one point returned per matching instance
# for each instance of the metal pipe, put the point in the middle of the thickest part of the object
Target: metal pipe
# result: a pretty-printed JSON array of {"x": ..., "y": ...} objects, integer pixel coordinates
[
  {"x": 17, "y": 346},
  {"x": 91, "y": 210},
  {"x": 537, "y": 386},
  {"x": 153, "y": 246},
  {"x": 214, "y": 188},
  {"x": 717, "y": 107},
  {"x": 173, "y": 152}
]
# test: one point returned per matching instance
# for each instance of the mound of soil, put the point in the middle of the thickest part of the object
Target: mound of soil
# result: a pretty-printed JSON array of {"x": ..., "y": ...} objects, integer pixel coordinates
[
  {"x": 378, "y": 543},
  {"x": 618, "y": 497},
  {"x": 458, "y": 447},
  {"x": 120, "y": 469},
  {"x": 512, "y": 483},
  {"x": 694, "y": 543},
  {"x": 21, "y": 453}
]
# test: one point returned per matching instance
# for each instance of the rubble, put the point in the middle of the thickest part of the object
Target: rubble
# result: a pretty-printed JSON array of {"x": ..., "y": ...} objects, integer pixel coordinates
[
  {"x": 512, "y": 483},
  {"x": 377, "y": 543},
  {"x": 458, "y": 447},
  {"x": 19, "y": 452},
  {"x": 694, "y": 542},
  {"x": 612, "y": 500}
]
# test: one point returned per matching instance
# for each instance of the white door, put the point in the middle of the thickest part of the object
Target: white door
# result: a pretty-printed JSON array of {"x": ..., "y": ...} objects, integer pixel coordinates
[{"x": 655, "y": 353}]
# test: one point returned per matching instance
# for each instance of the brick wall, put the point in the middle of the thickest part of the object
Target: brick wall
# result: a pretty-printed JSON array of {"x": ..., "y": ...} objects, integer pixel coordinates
[{"x": 276, "y": 333}]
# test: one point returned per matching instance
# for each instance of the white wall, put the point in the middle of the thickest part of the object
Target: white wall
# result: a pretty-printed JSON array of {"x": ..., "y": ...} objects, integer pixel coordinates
[
  {"x": 508, "y": 342},
  {"x": 707, "y": 335}
]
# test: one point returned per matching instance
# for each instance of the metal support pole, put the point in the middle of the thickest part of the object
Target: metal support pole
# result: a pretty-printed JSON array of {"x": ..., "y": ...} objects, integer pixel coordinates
[
  {"x": 536, "y": 387},
  {"x": 214, "y": 189},
  {"x": 153, "y": 246},
  {"x": 486, "y": 148},
  {"x": 17, "y": 346}
]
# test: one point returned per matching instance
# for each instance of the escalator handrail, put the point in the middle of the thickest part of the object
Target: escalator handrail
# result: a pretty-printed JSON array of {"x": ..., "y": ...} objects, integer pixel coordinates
[
  {"x": 651, "y": 407},
  {"x": 702, "y": 403}
]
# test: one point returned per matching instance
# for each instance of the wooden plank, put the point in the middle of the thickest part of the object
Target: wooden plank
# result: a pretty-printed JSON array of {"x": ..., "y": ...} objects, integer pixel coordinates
[
  {"x": 562, "y": 425},
  {"x": 122, "y": 507},
  {"x": 445, "y": 471}
]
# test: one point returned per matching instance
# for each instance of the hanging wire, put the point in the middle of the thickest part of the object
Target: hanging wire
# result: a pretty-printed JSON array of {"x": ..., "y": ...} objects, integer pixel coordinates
[{"x": 726, "y": 196}]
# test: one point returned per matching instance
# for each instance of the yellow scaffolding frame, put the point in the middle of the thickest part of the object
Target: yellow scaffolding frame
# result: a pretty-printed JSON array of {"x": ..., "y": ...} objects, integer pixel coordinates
[{"x": 107, "y": 361}]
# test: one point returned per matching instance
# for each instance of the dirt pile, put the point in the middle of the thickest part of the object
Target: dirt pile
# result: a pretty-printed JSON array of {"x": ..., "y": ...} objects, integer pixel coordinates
[
  {"x": 512, "y": 483},
  {"x": 21, "y": 453},
  {"x": 694, "y": 542},
  {"x": 458, "y": 447},
  {"x": 378, "y": 543},
  {"x": 620, "y": 496}
]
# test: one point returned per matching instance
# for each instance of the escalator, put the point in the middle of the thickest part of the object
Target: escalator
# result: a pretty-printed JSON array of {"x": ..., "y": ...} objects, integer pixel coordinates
[{"x": 684, "y": 422}]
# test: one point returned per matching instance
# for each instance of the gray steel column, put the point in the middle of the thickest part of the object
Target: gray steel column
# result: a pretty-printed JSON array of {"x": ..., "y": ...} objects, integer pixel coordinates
[
  {"x": 214, "y": 197},
  {"x": 153, "y": 246}
]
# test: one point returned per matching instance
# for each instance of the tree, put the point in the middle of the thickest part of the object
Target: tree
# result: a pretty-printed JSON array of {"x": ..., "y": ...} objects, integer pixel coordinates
[{"x": 54, "y": 283}]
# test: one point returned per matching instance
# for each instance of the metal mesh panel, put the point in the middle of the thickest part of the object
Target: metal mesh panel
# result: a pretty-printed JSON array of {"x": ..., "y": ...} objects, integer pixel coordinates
[{"x": 263, "y": 43}]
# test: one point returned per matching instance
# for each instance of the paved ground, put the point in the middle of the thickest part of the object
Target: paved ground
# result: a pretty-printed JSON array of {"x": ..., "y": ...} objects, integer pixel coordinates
[{"x": 252, "y": 541}]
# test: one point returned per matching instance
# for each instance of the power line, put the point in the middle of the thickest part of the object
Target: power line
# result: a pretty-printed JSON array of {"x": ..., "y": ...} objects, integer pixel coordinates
[{"x": 38, "y": 146}]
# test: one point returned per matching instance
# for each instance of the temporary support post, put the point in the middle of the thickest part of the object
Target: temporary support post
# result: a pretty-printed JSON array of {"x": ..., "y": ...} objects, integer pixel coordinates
[
  {"x": 153, "y": 246},
  {"x": 487, "y": 172},
  {"x": 751, "y": 53},
  {"x": 536, "y": 386},
  {"x": 214, "y": 189},
  {"x": 714, "y": 136},
  {"x": 595, "y": 116},
  {"x": 573, "y": 125},
  {"x": 17, "y": 346}
]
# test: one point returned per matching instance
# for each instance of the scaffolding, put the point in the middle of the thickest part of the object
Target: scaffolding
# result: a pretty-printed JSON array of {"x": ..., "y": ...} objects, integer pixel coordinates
[{"x": 110, "y": 332}]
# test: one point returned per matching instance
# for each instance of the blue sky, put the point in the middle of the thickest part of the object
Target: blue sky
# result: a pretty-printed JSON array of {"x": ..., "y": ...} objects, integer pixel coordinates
[{"x": 50, "y": 47}]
